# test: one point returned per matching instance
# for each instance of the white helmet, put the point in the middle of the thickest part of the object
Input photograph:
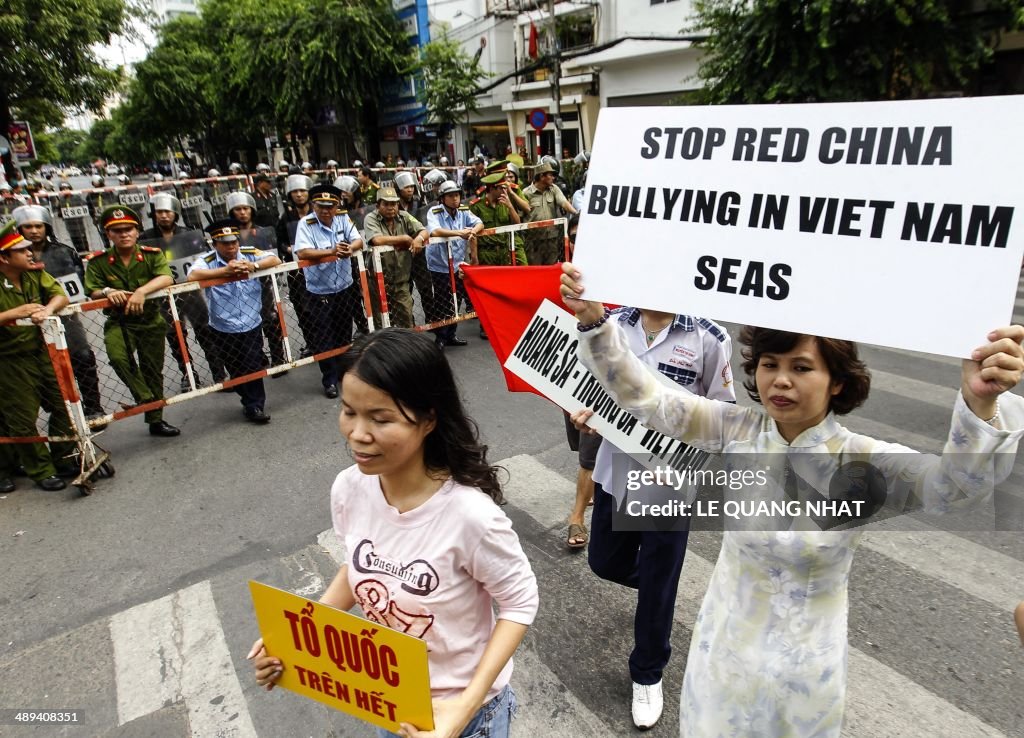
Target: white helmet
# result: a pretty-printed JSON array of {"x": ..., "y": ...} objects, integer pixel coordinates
[
  {"x": 236, "y": 199},
  {"x": 332, "y": 164},
  {"x": 400, "y": 163},
  {"x": 347, "y": 183},
  {"x": 581, "y": 158},
  {"x": 157, "y": 177},
  {"x": 183, "y": 174},
  {"x": 235, "y": 168},
  {"x": 433, "y": 179},
  {"x": 123, "y": 179},
  {"x": 443, "y": 161},
  {"x": 404, "y": 179},
  {"x": 262, "y": 167},
  {"x": 447, "y": 187},
  {"x": 31, "y": 214},
  {"x": 555, "y": 164},
  {"x": 380, "y": 165},
  {"x": 297, "y": 182},
  {"x": 97, "y": 180},
  {"x": 165, "y": 201},
  {"x": 283, "y": 165},
  {"x": 357, "y": 163},
  {"x": 307, "y": 166},
  {"x": 213, "y": 173}
]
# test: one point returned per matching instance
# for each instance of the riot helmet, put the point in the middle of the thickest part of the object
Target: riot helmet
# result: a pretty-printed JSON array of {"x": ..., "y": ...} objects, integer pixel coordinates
[
  {"x": 213, "y": 173},
  {"x": 297, "y": 182},
  {"x": 97, "y": 180},
  {"x": 165, "y": 201},
  {"x": 32, "y": 214},
  {"x": 236, "y": 199},
  {"x": 347, "y": 183},
  {"x": 235, "y": 168},
  {"x": 404, "y": 179}
]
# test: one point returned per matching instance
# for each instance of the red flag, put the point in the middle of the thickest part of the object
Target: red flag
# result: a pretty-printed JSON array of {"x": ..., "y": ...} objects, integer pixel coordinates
[
  {"x": 505, "y": 299},
  {"x": 533, "y": 41}
]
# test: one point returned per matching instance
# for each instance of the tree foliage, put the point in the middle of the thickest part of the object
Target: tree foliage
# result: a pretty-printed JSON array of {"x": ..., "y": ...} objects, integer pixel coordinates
[
  {"x": 94, "y": 145},
  {"x": 450, "y": 81},
  {"x": 47, "y": 55},
  {"x": 836, "y": 50}
]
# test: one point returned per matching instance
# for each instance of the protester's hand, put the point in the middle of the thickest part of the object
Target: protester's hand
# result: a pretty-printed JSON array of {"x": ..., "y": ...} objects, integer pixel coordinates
[
  {"x": 118, "y": 297},
  {"x": 135, "y": 304},
  {"x": 579, "y": 420},
  {"x": 586, "y": 311},
  {"x": 450, "y": 718},
  {"x": 993, "y": 368},
  {"x": 268, "y": 669}
]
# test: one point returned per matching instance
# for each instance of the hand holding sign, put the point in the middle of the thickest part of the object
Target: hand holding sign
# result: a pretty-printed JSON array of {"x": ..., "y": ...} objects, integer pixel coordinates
[
  {"x": 587, "y": 311},
  {"x": 993, "y": 369},
  {"x": 268, "y": 669}
]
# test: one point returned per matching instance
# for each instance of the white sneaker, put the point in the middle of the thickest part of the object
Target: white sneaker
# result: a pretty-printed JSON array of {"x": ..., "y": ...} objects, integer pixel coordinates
[{"x": 647, "y": 704}]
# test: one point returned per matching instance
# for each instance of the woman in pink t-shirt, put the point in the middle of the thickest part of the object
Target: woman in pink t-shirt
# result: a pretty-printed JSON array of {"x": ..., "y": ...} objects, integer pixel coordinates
[{"x": 429, "y": 550}]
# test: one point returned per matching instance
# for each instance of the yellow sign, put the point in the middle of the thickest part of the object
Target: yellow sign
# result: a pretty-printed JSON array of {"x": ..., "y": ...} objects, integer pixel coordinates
[{"x": 375, "y": 674}]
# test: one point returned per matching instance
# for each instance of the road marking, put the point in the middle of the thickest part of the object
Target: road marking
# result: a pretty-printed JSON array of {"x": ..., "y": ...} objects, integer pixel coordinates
[
  {"x": 879, "y": 700},
  {"x": 174, "y": 649}
]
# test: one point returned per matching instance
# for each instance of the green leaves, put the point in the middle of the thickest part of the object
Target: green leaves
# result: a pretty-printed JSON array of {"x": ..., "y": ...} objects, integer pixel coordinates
[
  {"x": 450, "y": 78},
  {"x": 835, "y": 50}
]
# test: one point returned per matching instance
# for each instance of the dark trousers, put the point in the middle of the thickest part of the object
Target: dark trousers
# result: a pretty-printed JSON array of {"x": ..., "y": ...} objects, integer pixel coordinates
[
  {"x": 444, "y": 307},
  {"x": 243, "y": 354},
  {"x": 356, "y": 296},
  {"x": 424, "y": 285},
  {"x": 300, "y": 300},
  {"x": 649, "y": 562},
  {"x": 192, "y": 306},
  {"x": 271, "y": 323},
  {"x": 330, "y": 327}
]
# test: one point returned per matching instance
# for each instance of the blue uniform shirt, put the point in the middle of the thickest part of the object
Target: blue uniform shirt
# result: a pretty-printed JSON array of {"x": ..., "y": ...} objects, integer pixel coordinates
[
  {"x": 334, "y": 276},
  {"x": 437, "y": 254},
  {"x": 235, "y": 306}
]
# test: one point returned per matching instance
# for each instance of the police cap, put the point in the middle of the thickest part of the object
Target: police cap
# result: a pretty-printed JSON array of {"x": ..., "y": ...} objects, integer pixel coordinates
[
  {"x": 224, "y": 230},
  {"x": 325, "y": 194},
  {"x": 116, "y": 215}
]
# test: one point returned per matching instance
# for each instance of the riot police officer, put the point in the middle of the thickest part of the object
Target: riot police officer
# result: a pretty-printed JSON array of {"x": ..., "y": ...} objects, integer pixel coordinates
[
  {"x": 74, "y": 211},
  {"x": 165, "y": 209},
  {"x": 62, "y": 262}
]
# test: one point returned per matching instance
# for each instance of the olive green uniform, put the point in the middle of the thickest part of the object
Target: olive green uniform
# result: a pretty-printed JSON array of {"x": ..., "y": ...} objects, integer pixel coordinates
[
  {"x": 493, "y": 250},
  {"x": 126, "y": 335},
  {"x": 27, "y": 381},
  {"x": 545, "y": 245},
  {"x": 397, "y": 267}
]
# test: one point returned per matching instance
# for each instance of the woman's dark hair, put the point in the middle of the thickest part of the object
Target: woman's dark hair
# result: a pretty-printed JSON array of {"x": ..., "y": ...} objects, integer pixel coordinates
[
  {"x": 410, "y": 368},
  {"x": 841, "y": 358},
  {"x": 574, "y": 222}
]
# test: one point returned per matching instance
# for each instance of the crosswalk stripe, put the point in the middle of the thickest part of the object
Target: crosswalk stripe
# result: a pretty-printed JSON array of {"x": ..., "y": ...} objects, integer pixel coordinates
[
  {"x": 933, "y": 394},
  {"x": 174, "y": 649},
  {"x": 939, "y": 359},
  {"x": 880, "y": 700}
]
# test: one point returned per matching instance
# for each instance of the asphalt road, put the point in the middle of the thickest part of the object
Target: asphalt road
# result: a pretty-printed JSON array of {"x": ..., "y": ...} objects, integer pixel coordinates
[{"x": 147, "y": 578}]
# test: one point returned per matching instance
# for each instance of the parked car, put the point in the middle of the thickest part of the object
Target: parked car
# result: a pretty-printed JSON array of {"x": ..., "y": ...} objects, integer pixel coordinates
[
  {"x": 112, "y": 170},
  {"x": 74, "y": 172}
]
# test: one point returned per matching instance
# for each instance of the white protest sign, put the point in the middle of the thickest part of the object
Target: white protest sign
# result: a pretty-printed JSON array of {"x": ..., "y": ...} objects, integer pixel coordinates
[
  {"x": 892, "y": 223},
  {"x": 545, "y": 358},
  {"x": 73, "y": 287}
]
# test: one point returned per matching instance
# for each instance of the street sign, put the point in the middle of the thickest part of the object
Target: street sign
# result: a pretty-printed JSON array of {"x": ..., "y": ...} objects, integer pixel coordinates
[{"x": 538, "y": 119}]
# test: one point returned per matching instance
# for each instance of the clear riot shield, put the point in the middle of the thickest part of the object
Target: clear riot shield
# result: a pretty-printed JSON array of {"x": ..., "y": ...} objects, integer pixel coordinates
[{"x": 181, "y": 250}]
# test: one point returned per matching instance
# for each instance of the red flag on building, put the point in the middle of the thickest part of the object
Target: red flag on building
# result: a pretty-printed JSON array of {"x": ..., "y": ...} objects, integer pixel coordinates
[
  {"x": 505, "y": 299},
  {"x": 533, "y": 41}
]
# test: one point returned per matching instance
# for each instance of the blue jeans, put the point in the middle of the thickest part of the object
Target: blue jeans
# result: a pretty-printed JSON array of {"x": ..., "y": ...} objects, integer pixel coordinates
[{"x": 493, "y": 720}]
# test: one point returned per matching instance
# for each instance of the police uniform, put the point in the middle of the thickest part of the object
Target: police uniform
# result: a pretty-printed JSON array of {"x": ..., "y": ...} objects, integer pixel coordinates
[
  {"x": 493, "y": 250},
  {"x": 397, "y": 266},
  {"x": 437, "y": 263},
  {"x": 60, "y": 259},
  {"x": 191, "y": 307},
  {"x": 358, "y": 217},
  {"x": 135, "y": 343},
  {"x": 287, "y": 227},
  {"x": 217, "y": 195},
  {"x": 329, "y": 306},
  {"x": 27, "y": 380},
  {"x": 264, "y": 239},
  {"x": 236, "y": 320},
  {"x": 545, "y": 245},
  {"x": 268, "y": 206}
]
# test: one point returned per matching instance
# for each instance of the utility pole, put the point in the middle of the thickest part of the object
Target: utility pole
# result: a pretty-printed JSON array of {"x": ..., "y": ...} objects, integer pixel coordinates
[{"x": 556, "y": 74}]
